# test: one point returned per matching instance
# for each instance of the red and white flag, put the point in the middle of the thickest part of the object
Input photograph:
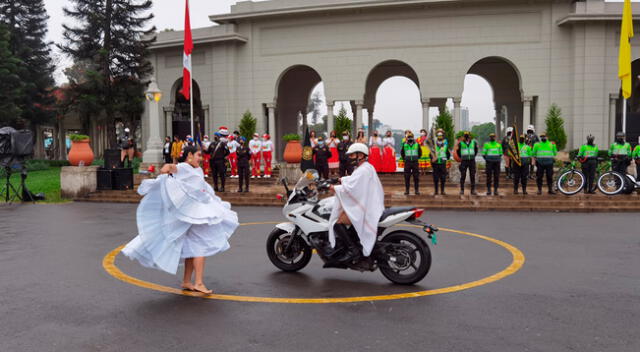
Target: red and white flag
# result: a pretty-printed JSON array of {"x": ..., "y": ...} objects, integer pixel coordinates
[{"x": 188, "y": 48}]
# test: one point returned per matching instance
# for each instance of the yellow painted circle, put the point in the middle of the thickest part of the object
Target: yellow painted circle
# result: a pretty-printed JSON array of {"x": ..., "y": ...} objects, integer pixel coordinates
[{"x": 108, "y": 263}]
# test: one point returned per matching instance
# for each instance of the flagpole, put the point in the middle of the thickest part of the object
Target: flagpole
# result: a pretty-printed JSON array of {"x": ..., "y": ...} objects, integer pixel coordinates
[
  {"x": 624, "y": 115},
  {"x": 191, "y": 102}
]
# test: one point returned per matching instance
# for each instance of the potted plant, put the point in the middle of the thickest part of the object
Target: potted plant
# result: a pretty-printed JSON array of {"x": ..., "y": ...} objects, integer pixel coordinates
[
  {"x": 80, "y": 153},
  {"x": 293, "y": 149}
]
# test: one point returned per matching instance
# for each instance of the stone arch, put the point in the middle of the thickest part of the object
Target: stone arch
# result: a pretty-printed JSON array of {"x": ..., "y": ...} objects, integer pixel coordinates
[
  {"x": 505, "y": 81},
  {"x": 379, "y": 74},
  {"x": 293, "y": 89},
  {"x": 181, "y": 124}
]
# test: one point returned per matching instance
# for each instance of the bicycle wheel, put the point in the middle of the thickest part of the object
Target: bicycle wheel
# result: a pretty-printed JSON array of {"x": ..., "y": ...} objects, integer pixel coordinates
[
  {"x": 611, "y": 183},
  {"x": 570, "y": 182}
]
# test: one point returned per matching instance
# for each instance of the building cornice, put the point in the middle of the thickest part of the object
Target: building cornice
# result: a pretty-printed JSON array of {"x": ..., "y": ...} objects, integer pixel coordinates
[
  {"x": 199, "y": 41},
  {"x": 597, "y": 17}
]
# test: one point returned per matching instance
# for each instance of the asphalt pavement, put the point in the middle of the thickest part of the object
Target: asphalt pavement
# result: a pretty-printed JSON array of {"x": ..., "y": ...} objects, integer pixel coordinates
[{"x": 578, "y": 290}]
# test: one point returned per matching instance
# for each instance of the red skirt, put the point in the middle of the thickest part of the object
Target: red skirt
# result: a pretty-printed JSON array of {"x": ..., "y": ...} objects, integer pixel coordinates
[
  {"x": 205, "y": 162},
  {"x": 334, "y": 160},
  {"x": 375, "y": 158},
  {"x": 388, "y": 159}
]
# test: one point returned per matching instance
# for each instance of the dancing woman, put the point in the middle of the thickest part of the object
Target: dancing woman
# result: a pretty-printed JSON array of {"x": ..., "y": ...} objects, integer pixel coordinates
[{"x": 181, "y": 218}]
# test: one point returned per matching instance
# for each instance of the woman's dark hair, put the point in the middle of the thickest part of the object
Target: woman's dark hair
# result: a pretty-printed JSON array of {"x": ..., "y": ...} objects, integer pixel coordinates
[{"x": 185, "y": 153}]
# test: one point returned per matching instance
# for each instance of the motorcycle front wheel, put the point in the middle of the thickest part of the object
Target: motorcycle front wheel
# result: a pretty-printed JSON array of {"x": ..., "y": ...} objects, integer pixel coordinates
[
  {"x": 409, "y": 262},
  {"x": 571, "y": 182},
  {"x": 287, "y": 252}
]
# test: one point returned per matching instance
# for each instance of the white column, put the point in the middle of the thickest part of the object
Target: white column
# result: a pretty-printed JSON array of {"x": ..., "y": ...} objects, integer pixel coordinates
[
  {"x": 613, "y": 101},
  {"x": 457, "y": 117},
  {"x": 153, "y": 152},
  {"x": 271, "y": 120},
  {"x": 498, "y": 121},
  {"x": 425, "y": 114},
  {"x": 370, "y": 123},
  {"x": 358, "y": 114},
  {"x": 168, "y": 121},
  {"x": 330, "y": 126},
  {"x": 526, "y": 112}
]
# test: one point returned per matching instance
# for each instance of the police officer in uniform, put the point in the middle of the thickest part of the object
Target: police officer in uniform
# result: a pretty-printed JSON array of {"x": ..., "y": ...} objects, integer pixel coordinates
[
  {"x": 219, "y": 151},
  {"x": 322, "y": 153},
  {"x": 439, "y": 159},
  {"x": 343, "y": 146},
  {"x": 243, "y": 153},
  {"x": 588, "y": 155},
  {"x": 620, "y": 153},
  {"x": 492, "y": 154},
  {"x": 521, "y": 172},
  {"x": 467, "y": 150},
  {"x": 636, "y": 156},
  {"x": 411, "y": 153},
  {"x": 544, "y": 153}
]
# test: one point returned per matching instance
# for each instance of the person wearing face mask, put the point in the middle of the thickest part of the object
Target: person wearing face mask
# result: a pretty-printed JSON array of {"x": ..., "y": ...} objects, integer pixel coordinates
[
  {"x": 359, "y": 203},
  {"x": 544, "y": 153},
  {"x": 492, "y": 153},
  {"x": 423, "y": 162},
  {"x": 588, "y": 155},
  {"x": 343, "y": 146},
  {"x": 219, "y": 151},
  {"x": 505, "y": 151},
  {"x": 468, "y": 149},
  {"x": 531, "y": 139},
  {"x": 256, "y": 154},
  {"x": 521, "y": 172},
  {"x": 389, "y": 153},
  {"x": 267, "y": 149},
  {"x": 206, "y": 157},
  {"x": 439, "y": 159},
  {"x": 244, "y": 156},
  {"x": 233, "y": 145},
  {"x": 334, "y": 161},
  {"x": 166, "y": 150},
  {"x": 375, "y": 151},
  {"x": 620, "y": 154},
  {"x": 322, "y": 154},
  {"x": 411, "y": 154},
  {"x": 636, "y": 157}
]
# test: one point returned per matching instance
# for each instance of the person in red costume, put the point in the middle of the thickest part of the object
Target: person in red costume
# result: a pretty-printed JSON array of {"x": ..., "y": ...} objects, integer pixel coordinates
[{"x": 267, "y": 150}]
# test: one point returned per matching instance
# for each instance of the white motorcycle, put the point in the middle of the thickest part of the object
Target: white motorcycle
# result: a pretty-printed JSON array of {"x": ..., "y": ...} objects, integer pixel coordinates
[{"x": 402, "y": 256}]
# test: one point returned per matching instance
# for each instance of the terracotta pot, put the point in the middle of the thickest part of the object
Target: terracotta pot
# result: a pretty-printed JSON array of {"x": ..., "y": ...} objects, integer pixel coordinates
[
  {"x": 293, "y": 152},
  {"x": 80, "y": 153}
]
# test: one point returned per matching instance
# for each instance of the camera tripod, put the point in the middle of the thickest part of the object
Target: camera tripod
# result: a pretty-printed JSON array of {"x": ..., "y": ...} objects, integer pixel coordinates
[{"x": 21, "y": 193}]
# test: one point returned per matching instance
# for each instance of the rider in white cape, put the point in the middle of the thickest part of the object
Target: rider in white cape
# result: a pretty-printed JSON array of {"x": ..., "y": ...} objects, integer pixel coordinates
[{"x": 359, "y": 200}]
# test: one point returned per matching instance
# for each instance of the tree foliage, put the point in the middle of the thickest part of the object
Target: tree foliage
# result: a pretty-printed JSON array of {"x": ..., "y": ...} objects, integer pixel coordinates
[
  {"x": 482, "y": 131},
  {"x": 247, "y": 126},
  {"x": 445, "y": 121},
  {"x": 11, "y": 87},
  {"x": 555, "y": 127},
  {"x": 342, "y": 122},
  {"x": 26, "y": 21},
  {"x": 110, "y": 49}
]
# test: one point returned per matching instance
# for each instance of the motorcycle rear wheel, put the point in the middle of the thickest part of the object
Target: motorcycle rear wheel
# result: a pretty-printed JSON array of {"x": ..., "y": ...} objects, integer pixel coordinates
[
  {"x": 289, "y": 258},
  {"x": 420, "y": 250}
]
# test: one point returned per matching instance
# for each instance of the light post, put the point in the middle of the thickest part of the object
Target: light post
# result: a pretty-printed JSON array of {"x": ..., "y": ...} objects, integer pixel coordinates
[{"x": 153, "y": 152}]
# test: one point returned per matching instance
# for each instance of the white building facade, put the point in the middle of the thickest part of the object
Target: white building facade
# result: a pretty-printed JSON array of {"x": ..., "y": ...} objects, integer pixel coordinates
[{"x": 266, "y": 57}]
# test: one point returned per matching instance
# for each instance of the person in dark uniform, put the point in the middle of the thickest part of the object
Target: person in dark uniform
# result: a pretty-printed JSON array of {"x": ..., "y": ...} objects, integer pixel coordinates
[
  {"x": 219, "y": 151},
  {"x": 166, "y": 150},
  {"x": 439, "y": 158},
  {"x": 322, "y": 153},
  {"x": 620, "y": 153},
  {"x": 244, "y": 155},
  {"x": 343, "y": 146},
  {"x": 492, "y": 154},
  {"x": 588, "y": 155},
  {"x": 411, "y": 153},
  {"x": 531, "y": 139},
  {"x": 544, "y": 153},
  {"x": 467, "y": 150},
  {"x": 521, "y": 172}
]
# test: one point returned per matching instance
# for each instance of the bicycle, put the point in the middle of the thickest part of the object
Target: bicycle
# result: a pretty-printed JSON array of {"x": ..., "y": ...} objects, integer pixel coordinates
[
  {"x": 571, "y": 180},
  {"x": 613, "y": 182}
]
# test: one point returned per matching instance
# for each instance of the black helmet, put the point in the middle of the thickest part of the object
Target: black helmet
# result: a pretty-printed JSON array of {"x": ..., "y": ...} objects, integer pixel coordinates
[
  {"x": 590, "y": 139},
  {"x": 620, "y": 135}
]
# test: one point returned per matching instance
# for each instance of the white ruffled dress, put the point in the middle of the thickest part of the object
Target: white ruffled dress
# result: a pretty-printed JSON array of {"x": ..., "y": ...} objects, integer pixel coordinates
[{"x": 180, "y": 217}]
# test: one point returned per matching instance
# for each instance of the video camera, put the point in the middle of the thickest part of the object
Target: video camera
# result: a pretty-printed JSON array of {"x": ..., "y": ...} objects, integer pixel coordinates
[{"x": 15, "y": 145}]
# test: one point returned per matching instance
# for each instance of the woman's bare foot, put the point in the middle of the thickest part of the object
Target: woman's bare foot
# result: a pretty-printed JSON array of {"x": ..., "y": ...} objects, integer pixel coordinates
[
  {"x": 188, "y": 286},
  {"x": 202, "y": 289}
]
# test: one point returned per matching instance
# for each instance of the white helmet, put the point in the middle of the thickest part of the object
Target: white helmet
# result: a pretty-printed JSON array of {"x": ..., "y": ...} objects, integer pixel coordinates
[
  {"x": 358, "y": 148},
  {"x": 509, "y": 129},
  {"x": 126, "y": 130},
  {"x": 532, "y": 128}
]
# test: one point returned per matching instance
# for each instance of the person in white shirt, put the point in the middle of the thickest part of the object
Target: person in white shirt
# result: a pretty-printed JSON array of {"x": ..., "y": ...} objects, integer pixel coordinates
[
  {"x": 233, "y": 145},
  {"x": 255, "y": 145},
  {"x": 267, "y": 154},
  {"x": 388, "y": 153},
  {"x": 166, "y": 150}
]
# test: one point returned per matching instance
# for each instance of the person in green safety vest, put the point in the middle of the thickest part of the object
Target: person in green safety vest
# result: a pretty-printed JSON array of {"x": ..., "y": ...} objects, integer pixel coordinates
[
  {"x": 620, "y": 154},
  {"x": 467, "y": 150},
  {"x": 411, "y": 153},
  {"x": 544, "y": 153},
  {"x": 588, "y": 155},
  {"x": 492, "y": 154},
  {"x": 521, "y": 172},
  {"x": 439, "y": 158},
  {"x": 636, "y": 156}
]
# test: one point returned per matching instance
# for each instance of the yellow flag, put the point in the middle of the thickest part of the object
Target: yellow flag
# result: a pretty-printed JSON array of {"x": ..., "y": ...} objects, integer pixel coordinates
[{"x": 624, "y": 58}]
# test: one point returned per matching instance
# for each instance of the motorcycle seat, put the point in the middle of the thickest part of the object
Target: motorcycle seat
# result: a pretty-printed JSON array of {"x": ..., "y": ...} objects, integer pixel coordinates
[{"x": 394, "y": 210}]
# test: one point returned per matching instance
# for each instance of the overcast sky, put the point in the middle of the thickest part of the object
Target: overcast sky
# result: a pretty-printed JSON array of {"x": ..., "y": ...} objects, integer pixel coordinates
[{"x": 398, "y": 99}]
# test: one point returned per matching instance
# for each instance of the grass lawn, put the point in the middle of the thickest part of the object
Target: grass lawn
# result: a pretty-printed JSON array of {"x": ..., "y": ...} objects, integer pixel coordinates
[{"x": 47, "y": 181}]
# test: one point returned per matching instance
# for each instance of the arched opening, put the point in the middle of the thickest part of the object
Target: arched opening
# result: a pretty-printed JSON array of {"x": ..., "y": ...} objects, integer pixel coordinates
[
  {"x": 477, "y": 107},
  {"x": 294, "y": 90},
  {"x": 181, "y": 116},
  {"x": 633, "y": 108},
  {"x": 392, "y": 98},
  {"x": 505, "y": 83}
]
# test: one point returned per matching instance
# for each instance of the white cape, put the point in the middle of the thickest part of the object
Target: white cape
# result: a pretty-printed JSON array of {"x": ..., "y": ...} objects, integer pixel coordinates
[{"x": 361, "y": 197}]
